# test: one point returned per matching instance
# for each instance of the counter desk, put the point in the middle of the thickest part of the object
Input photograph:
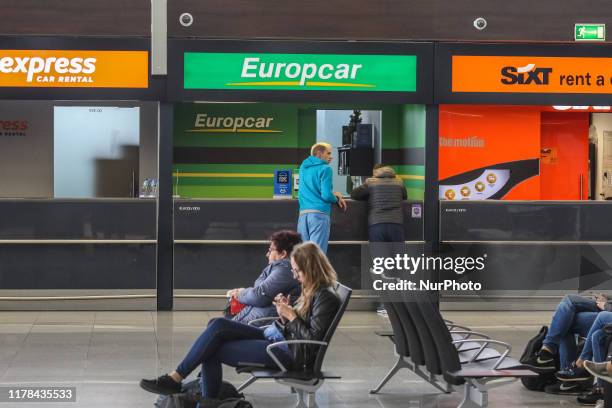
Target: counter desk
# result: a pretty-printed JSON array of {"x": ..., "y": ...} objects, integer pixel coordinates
[
  {"x": 221, "y": 244},
  {"x": 73, "y": 250},
  {"x": 533, "y": 249}
]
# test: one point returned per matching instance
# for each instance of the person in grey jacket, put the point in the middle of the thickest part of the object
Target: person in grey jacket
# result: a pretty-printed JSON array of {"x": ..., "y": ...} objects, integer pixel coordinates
[
  {"x": 274, "y": 279},
  {"x": 384, "y": 193}
]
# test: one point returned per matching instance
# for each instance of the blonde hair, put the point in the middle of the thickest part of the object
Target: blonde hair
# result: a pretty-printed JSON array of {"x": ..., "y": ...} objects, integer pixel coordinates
[
  {"x": 319, "y": 148},
  {"x": 317, "y": 271}
]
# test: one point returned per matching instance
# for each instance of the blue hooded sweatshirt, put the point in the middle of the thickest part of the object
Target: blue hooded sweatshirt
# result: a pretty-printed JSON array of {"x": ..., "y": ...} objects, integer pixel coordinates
[{"x": 315, "y": 192}]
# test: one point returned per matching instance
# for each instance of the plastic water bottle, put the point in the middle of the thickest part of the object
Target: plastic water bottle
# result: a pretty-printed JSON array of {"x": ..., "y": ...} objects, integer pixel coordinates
[
  {"x": 146, "y": 188},
  {"x": 153, "y": 188}
]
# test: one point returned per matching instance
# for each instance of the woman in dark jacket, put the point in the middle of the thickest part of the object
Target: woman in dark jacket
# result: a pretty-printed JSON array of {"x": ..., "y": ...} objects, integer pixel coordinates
[
  {"x": 228, "y": 342},
  {"x": 274, "y": 279}
]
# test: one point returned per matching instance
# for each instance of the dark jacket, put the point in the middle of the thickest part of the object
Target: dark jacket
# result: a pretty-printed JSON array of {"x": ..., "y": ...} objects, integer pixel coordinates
[
  {"x": 324, "y": 307},
  {"x": 384, "y": 193}
]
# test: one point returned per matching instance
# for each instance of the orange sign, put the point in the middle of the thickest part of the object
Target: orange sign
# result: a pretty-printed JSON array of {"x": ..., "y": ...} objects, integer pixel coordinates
[
  {"x": 512, "y": 74},
  {"x": 74, "y": 69}
]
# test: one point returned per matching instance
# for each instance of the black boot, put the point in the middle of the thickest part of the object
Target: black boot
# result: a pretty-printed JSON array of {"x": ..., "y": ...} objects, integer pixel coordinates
[{"x": 163, "y": 385}]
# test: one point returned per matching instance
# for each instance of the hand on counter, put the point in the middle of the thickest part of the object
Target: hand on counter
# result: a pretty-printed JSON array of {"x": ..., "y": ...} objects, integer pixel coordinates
[{"x": 341, "y": 201}]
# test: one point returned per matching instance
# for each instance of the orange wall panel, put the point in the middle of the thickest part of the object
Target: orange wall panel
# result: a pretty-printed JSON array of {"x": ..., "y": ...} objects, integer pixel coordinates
[
  {"x": 565, "y": 155},
  {"x": 474, "y": 136}
]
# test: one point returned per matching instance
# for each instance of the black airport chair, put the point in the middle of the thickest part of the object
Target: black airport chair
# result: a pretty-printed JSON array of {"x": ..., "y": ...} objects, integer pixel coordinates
[
  {"x": 304, "y": 383},
  {"x": 402, "y": 347},
  {"x": 406, "y": 320},
  {"x": 476, "y": 377}
]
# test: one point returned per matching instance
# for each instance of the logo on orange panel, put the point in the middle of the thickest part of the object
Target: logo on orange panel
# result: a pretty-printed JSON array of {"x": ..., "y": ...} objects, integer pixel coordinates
[
  {"x": 491, "y": 178},
  {"x": 531, "y": 74},
  {"x": 74, "y": 69},
  {"x": 480, "y": 186},
  {"x": 528, "y": 74},
  {"x": 450, "y": 194}
]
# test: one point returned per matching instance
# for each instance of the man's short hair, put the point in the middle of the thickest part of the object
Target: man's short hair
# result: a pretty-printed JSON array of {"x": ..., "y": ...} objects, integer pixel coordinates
[{"x": 319, "y": 148}]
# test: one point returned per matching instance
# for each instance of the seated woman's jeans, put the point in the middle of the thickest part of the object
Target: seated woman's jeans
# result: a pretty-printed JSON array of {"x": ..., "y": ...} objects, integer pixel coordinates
[
  {"x": 595, "y": 344},
  {"x": 228, "y": 342},
  {"x": 574, "y": 315}
]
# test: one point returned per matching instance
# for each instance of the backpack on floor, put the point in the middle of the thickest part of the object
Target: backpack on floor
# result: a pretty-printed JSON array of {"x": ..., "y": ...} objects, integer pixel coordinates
[
  {"x": 190, "y": 395},
  {"x": 235, "y": 403},
  {"x": 542, "y": 380}
]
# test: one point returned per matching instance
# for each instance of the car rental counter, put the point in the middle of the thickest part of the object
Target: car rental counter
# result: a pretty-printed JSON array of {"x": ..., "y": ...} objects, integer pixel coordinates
[
  {"x": 77, "y": 253},
  {"x": 221, "y": 244}
]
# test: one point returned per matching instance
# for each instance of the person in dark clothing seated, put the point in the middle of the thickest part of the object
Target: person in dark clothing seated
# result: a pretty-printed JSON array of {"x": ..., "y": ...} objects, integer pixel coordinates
[
  {"x": 575, "y": 315},
  {"x": 274, "y": 279},
  {"x": 229, "y": 342}
]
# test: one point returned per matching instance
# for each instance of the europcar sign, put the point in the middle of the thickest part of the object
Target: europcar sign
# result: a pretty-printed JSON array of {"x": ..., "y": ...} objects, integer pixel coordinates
[{"x": 303, "y": 72}]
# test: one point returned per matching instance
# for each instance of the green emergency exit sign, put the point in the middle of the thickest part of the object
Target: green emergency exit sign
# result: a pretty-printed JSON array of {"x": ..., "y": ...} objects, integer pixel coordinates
[{"x": 590, "y": 32}]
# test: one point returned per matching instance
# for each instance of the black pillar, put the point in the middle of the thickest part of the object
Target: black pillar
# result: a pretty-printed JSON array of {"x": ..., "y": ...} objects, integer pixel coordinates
[
  {"x": 165, "y": 236},
  {"x": 431, "y": 218}
]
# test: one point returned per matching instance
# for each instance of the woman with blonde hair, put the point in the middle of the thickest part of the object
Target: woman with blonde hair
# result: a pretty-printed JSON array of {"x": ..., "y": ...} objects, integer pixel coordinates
[{"x": 229, "y": 342}]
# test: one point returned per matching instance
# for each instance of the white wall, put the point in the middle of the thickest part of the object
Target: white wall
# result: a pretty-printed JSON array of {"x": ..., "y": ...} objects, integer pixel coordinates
[{"x": 602, "y": 122}]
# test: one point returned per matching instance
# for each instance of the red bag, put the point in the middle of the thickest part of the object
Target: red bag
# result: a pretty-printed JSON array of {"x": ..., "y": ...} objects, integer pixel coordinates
[{"x": 235, "y": 306}]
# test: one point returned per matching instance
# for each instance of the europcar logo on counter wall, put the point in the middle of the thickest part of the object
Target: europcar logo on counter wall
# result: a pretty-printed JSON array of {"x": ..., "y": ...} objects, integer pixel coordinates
[
  {"x": 389, "y": 73},
  {"x": 74, "y": 69},
  {"x": 232, "y": 124},
  {"x": 529, "y": 74}
]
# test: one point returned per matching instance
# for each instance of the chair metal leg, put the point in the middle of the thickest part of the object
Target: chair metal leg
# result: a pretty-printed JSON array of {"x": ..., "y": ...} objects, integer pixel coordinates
[
  {"x": 473, "y": 397},
  {"x": 399, "y": 364},
  {"x": 247, "y": 383},
  {"x": 305, "y": 399}
]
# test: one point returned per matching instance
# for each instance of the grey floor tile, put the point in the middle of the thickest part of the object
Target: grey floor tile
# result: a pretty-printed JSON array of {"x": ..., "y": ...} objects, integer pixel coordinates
[
  {"x": 18, "y": 317},
  {"x": 106, "y": 353}
]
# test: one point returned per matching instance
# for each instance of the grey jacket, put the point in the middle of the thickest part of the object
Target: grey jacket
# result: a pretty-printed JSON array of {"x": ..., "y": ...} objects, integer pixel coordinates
[{"x": 384, "y": 193}]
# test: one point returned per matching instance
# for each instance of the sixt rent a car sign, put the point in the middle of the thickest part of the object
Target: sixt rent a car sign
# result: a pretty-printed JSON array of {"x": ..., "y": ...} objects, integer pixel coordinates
[
  {"x": 303, "y": 72},
  {"x": 531, "y": 74},
  {"x": 74, "y": 69}
]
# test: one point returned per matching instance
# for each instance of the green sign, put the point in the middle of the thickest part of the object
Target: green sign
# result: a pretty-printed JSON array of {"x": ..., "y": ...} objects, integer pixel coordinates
[
  {"x": 300, "y": 72},
  {"x": 590, "y": 32}
]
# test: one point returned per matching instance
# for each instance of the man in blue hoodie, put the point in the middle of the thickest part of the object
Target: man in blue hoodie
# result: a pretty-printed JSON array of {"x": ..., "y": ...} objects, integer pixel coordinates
[{"x": 316, "y": 196}]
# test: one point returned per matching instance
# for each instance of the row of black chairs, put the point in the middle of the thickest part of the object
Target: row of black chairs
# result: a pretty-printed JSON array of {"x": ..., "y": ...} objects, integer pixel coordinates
[{"x": 444, "y": 354}]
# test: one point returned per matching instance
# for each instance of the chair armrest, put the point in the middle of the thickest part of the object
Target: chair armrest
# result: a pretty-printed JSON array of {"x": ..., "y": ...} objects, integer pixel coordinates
[
  {"x": 261, "y": 320},
  {"x": 452, "y": 326},
  {"x": 279, "y": 343},
  {"x": 486, "y": 342},
  {"x": 469, "y": 333}
]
